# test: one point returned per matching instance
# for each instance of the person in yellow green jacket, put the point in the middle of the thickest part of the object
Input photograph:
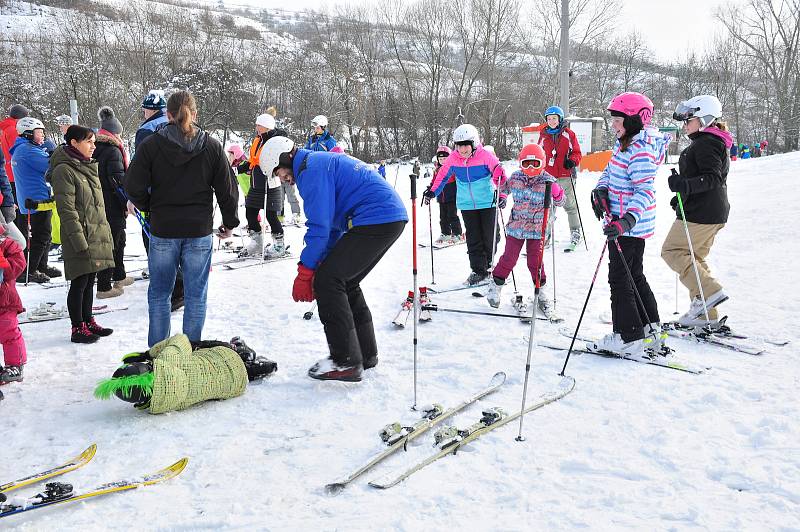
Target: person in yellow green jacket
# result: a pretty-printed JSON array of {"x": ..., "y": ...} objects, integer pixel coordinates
[{"x": 175, "y": 374}]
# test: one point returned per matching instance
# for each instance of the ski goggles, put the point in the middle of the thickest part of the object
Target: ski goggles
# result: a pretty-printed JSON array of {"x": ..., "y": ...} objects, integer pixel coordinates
[
  {"x": 531, "y": 163},
  {"x": 684, "y": 112},
  {"x": 464, "y": 143}
]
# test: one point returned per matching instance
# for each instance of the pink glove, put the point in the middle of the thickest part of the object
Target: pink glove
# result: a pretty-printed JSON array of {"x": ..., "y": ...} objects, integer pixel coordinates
[{"x": 557, "y": 193}]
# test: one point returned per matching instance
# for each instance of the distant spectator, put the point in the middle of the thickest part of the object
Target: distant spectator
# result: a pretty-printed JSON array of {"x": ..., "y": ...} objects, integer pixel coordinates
[
  {"x": 320, "y": 139},
  {"x": 734, "y": 151},
  {"x": 8, "y": 136}
]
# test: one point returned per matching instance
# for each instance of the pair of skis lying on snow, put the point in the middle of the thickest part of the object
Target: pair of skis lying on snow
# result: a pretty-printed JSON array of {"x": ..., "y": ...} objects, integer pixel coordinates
[
  {"x": 448, "y": 439},
  {"x": 62, "y": 493}
]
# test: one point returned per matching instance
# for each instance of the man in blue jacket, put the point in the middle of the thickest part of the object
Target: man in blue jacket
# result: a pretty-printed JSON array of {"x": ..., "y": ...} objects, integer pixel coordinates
[
  {"x": 29, "y": 161},
  {"x": 320, "y": 139},
  {"x": 353, "y": 218}
]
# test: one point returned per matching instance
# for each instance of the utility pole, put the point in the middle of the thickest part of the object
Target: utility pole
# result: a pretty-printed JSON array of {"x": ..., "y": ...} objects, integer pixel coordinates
[{"x": 563, "y": 60}]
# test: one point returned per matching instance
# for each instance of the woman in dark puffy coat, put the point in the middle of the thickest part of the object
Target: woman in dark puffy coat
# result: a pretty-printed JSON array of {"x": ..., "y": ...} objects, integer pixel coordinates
[
  {"x": 702, "y": 185},
  {"x": 112, "y": 161},
  {"x": 85, "y": 234}
]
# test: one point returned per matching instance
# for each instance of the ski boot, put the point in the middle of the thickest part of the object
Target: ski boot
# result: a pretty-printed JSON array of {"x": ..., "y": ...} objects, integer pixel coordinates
[
  {"x": 475, "y": 279},
  {"x": 328, "y": 370},
  {"x": 613, "y": 343},
  {"x": 493, "y": 295},
  {"x": 11, "y": 374},
  {"x": 574, "y": 240},
  {"x": 254, "y": 247},
  {"x": 277, "y": 250},
  {"x": 424, "y": 299}
]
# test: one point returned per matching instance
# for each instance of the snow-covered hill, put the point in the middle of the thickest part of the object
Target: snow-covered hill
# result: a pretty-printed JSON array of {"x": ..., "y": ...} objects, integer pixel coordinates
[{"x": 633, "y": 447}]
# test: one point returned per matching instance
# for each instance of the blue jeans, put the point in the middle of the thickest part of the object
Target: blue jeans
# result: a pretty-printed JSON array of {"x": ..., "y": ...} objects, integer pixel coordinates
[{"x": 194, "y": 257}]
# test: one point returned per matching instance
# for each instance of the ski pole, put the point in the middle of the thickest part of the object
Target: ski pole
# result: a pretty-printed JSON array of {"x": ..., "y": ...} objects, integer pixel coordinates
[
  {"x": 513, "y": 279},
  {"x": 430, "y": 228},
  {"x": 553, "y": 253},
  {"x": 676, "y": 294},
  {"x": 577, "y": 206},
  {"x": 414, "y": 274},
  {"x": 435, "y": 308},
  {"x": 310, "y": 312},
  {"x": 691, "y": 253},
  {"x": 495, "y": 230},
  {"x": 537, "y": 286},
  {"x": 583, "y": 310},
  {"x": 396, "y": 174},
  {"x": 28, "y": 266},
  {"x": 630, "y": 280}
]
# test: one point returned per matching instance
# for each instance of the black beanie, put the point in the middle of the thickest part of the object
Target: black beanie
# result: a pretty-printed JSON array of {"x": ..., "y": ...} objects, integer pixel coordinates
[{"x": 18, "y": 111}]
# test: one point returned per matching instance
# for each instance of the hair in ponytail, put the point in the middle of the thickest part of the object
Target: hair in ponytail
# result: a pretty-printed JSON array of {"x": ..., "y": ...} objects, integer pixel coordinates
[
  {"x": 182, "y": 107},
  {"x": 721, "y": 125}
]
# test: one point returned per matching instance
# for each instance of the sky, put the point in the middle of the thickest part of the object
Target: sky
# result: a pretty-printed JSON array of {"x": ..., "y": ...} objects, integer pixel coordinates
[{"x": 670, "y": 27}]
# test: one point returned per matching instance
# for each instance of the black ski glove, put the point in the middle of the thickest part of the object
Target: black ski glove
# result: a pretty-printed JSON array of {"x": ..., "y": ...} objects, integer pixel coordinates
[
  {"x": 678, "y": 183},
  {"x": 599, "y": 202},
  {"x": 569, "y": 163},
  {"x": 619, "y": 226},
  {"x": 427, "y": 196},
  {"x": 502, "y": 202}
]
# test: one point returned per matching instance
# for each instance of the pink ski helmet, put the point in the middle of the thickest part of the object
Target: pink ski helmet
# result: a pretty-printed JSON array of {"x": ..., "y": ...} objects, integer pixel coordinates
[
  {"x": 443, "y": 149},
  {"x": 632, "y": 104}
]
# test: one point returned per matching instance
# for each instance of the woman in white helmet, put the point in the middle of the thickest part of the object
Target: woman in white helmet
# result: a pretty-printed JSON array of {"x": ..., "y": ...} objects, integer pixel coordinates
[
  {"x": 478, "y": 173},
  {"x": 702, "y": 185},
  {"x": 320, "y": 139},
  {"x": 264, "y": 193}
]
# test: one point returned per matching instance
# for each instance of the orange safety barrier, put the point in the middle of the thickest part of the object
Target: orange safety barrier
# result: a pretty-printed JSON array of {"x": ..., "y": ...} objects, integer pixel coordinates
[{"x": 596, "y": 161}]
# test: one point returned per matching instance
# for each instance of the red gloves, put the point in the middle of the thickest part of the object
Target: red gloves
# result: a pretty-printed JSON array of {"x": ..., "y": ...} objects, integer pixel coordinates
[{"x": 303, "y": 289}]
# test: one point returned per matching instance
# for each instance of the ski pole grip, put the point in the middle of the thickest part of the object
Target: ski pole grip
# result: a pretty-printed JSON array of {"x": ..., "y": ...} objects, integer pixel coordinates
[
  {"x": 548, "y": 194},
  {"x": 413, "y": 187}
]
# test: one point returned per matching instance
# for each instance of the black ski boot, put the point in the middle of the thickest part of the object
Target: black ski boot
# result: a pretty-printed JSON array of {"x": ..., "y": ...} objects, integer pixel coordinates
[{"x": 257, "y": 367}]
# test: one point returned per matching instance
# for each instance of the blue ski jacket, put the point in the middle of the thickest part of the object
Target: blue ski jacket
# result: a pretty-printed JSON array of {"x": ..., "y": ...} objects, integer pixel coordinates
[
  {"x": 340, "y": 192},
  {"x": 30, "y": 162},
  {"x": 324, "y": 142}
]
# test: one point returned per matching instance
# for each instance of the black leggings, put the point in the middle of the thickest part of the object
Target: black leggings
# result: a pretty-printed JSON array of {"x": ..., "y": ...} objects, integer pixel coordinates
[
  {"x": 449, "y": 222},
  {"x": 80, "y": 299},
  {"x": 272, "y": 218}
]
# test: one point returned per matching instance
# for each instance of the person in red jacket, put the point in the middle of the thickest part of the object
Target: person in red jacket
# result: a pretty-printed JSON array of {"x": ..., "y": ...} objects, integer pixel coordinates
[
  {"x": 12, "y": 264},
  {"x": 563, "y": 157},
  {"x": 8, "y": 133}
]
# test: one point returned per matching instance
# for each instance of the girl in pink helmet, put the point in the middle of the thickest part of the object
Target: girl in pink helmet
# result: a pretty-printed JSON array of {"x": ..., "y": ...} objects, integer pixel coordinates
[{"x": 625, "y": 199}]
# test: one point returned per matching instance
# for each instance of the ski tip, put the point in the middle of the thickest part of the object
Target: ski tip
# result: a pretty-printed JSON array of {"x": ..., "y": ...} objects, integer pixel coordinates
[
  {"x": 169, "y": 472},
  {"x": 89, "y": 453},
  {"x": 498, "y": 378}
]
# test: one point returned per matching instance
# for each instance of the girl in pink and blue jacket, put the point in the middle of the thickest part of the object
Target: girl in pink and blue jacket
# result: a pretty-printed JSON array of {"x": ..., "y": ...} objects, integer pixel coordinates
[{"x": 478, "y": 173}]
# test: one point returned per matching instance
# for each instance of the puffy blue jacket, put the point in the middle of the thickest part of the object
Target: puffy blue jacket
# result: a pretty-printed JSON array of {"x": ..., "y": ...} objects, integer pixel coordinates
[
  {"x": 29, "y": 162},
  {"x": 324, "y": 142},
  {"x": 5, "y": 186},
  {"x": 339, "y": 192}
]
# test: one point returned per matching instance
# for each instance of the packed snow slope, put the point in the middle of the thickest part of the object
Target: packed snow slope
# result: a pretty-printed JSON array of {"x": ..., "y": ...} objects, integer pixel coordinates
[{"x": 633, "y": 447}]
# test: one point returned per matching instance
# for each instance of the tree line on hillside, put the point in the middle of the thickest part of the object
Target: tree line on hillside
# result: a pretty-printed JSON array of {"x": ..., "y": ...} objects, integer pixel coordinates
[{"x": 396, "y": 78}]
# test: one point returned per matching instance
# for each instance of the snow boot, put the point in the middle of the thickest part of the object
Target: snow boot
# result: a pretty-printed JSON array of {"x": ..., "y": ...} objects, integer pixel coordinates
[
  {"x": 11, "y": 374},
  {"x": 255, "y": 246},
  {"x": 127, "y": 281},
  {"x": 574, "y": 240},
  {"x": 33, "y": 277},
  {"x": 328, "y": 370},
  {"x": 97, "y": 329},
  {"x": 51, "y": 272},
  {"x": 475, "y": 278},
  {"x": 493, "y": 295},
  {"x": 115, "y": 291},
  {"x": 277, "y": 250},
  {"x": 82, "y": 335},
  {"x": 613, "y": 343}
]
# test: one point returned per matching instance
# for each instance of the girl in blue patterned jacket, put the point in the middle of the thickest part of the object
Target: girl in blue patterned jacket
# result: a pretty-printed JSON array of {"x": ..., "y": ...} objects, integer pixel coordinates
[
  {"x": 527, "y": 188},
  {"x": 625, "y": 197}
]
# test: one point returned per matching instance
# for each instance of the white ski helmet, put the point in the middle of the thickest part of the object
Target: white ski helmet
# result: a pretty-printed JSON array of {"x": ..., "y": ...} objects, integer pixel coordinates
[
  {"x": 705, "y": 107},
  {"x": 28, "y": 124},
  {"x": 266, "y": 120},
  {"x": 320, "y": 120},
  {"x": 270, "y": 156},
  {"x": 467, "y": 133}
]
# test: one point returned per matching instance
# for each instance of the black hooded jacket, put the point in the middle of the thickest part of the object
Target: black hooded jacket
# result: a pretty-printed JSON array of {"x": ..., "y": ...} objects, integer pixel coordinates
[
  {"x": 174, "y": 180},
  {"x": 704, "y": 166}
]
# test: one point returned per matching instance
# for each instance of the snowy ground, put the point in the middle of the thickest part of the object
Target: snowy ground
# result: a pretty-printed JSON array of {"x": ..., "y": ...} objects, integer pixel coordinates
[{"x": 634, "y": 446}]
